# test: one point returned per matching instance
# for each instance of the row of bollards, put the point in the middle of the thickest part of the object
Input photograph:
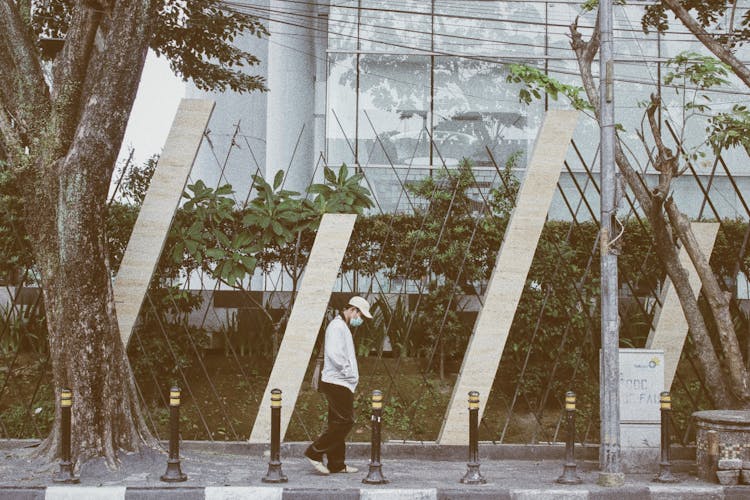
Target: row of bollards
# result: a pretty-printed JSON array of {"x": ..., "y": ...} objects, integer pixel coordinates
[{"x": 375, "y": 473}]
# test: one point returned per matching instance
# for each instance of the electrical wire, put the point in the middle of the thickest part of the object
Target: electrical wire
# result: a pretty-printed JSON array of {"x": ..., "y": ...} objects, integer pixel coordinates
[{"x": 496, "y": 60}]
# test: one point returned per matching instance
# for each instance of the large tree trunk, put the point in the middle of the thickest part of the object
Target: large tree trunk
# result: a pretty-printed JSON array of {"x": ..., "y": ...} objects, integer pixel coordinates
[
  {"x": 63, "y": 150},
  {"x": 86, "y": 351}
]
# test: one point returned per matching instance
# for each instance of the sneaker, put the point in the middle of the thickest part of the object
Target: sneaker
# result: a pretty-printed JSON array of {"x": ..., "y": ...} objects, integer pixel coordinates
[
  {"x": 348, "y": 469},
  {"x": 319, "y": 466}
]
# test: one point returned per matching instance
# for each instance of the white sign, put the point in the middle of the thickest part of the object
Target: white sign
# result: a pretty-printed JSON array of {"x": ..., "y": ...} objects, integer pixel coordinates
[{"x": 641, "y": 382}]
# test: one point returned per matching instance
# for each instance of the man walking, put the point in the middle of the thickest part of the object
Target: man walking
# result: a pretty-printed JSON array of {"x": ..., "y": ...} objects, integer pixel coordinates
[{"x": 338, "y": 382}]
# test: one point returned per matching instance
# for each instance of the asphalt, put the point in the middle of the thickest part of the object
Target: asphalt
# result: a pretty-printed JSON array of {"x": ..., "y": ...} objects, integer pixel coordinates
[{"x": 235, "y": 471}]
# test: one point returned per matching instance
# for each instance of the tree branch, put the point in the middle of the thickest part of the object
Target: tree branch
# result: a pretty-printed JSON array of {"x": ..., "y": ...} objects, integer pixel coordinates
[
  {"x": 69, "y": 72},
  {"x": 718, "y": 302},
  {"x": 113, "y": 74},
  {"x": 719, "y": 50},
  {"x": 27, "y": 92},
  {"x": 585, "y": 53},
  {"x": 665, "y": 162},
  {"x": 708, "y": 361}
]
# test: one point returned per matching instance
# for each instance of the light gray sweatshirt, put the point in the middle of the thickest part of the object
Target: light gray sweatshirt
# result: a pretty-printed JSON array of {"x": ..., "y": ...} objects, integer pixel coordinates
[{"x": 340, "y": 361}]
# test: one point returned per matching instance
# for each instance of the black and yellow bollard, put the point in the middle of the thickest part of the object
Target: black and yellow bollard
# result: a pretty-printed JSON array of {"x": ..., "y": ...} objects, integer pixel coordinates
[
  {"x": 65, "y": 475},
  {"x": 174, "y": 472},
  {"x": 569, "y": 469},
  {"x": 274, "y": 474},
  {"x": 473, "y": 476},
  {"x": 375, "y": 472},
  {"x": 665, "y": 464}
]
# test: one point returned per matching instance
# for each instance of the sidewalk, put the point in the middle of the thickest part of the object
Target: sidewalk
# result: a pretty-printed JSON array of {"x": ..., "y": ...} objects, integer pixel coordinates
[{"x": 234, "y": 471}]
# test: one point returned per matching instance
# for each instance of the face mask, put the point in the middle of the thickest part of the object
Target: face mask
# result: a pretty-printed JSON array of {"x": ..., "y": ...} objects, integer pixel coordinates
[{"x": 355, "y": 322}]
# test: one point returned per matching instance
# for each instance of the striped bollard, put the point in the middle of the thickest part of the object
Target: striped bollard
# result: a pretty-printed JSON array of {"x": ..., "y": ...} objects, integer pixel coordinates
[
  {"x": 174, "y": 472},
  {"x": 65, "y": 475},
  {"x": 665, "y": 464},
  {"x": 275, "y": 474},
  {"x": 569, "y": 475},
  {"x": 375, "y": 472},
  {"x": 473, "y": 476}
]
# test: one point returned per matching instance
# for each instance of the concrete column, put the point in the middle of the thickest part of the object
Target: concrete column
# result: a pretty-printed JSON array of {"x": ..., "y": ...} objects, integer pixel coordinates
[
  {"x": 247, "y": 156},
  {"x": 670, "y": 327},
  {"x": 321, "y": 78},
  {"x": 291, "y": 98}
]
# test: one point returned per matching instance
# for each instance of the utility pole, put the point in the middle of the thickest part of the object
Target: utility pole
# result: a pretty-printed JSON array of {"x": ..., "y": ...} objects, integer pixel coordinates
[{"x": 609, "y": 374}]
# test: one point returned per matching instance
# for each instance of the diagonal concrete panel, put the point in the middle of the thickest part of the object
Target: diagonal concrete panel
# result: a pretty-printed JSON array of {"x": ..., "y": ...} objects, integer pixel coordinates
[
  {"x": 304, "y": 322},
  {"x": 669, "y": 327},
  {"x": 159, "y": 206},
  {"x": 514, "y": 258}
]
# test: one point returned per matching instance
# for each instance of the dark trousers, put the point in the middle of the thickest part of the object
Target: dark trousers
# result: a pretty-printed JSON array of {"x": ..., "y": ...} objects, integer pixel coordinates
[{"x": 332, "y": 442}]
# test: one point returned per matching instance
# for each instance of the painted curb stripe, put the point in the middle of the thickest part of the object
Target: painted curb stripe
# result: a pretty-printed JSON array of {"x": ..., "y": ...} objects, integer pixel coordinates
[
  {"x": 85, "y": 493},
  {"x": 396, "y": 494},
  {"x": 243, "y": 492}
]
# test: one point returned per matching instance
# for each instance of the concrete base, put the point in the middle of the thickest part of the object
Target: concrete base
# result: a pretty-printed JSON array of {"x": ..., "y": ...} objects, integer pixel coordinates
[
  {"x": 640, "y": 460},
  {"x": 610, "y": 479}
]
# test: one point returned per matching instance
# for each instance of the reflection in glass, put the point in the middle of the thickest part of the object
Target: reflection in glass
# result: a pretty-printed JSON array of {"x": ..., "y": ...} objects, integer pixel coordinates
[
  {"x": 342, "y": 109},
  {"x": 394, "y": 102},
  {"x": 402, "y": 27},
  {"x": 342, "y": 25},
  {"x": 476, "y": 110},
  {"x": 489, "y": 28}
]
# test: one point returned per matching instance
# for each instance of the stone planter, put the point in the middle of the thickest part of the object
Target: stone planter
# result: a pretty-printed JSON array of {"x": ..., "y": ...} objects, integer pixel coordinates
[
  {"x": 728, "y": 477},
  {"x": 722, "y": 434}
]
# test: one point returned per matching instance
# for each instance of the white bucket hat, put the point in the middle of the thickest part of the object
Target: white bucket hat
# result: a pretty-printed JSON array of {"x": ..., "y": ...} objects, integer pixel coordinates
[{"x": 362, "y": 305}]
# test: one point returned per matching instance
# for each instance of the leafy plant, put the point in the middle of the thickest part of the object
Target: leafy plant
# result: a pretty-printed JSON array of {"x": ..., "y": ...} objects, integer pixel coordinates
[
  {"x": 341, "y": 193},
  {"x": 536, "y": 83}
]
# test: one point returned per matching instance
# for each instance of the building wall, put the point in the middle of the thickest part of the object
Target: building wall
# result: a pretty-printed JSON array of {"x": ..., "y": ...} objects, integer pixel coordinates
[{"x": 411, "y": 90}]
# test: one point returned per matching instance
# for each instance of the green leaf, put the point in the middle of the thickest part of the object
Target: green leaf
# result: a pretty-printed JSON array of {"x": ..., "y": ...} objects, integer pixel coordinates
[
  {"x": 278, "y": 180},
  {"x": 216, "y": 253},
  {"x": 329, "y": 175}
]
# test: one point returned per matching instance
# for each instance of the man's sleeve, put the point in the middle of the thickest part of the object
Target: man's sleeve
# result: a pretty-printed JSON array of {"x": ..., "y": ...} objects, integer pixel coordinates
[{"x": 336, "y": 350}]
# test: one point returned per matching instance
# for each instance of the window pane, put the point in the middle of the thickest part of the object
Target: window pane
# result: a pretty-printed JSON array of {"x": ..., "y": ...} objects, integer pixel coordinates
[
  {"x": 394, "y": 104},
  {"x": 342, "y": 25},
  {"x": 342, "y": 108},
  {"x": 476, "y": 110},
  {"x": 489, "y": 28},
  {"x": 403, "y": 26}
]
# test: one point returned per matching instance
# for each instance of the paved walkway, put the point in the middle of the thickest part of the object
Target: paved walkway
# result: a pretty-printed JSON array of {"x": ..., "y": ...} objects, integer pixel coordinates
[{"x": 222, "y": 473}]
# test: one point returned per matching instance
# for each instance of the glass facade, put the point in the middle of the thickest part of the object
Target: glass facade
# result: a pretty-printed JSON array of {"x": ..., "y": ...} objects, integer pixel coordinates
[{"x": 415, "y": 86}]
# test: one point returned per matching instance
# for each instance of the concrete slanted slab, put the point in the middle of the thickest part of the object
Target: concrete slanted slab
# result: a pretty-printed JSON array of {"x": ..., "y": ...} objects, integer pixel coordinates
[
  {"x": 514, "y": 258},
  {"x": 305, "y": 319},
  {"x": 158, "y": 209}
]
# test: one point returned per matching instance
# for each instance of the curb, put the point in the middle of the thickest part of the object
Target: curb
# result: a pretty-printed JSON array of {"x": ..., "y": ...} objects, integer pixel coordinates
[
  {"x": 683, "y": 492},
  {"x": 426, "y": 450}
]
